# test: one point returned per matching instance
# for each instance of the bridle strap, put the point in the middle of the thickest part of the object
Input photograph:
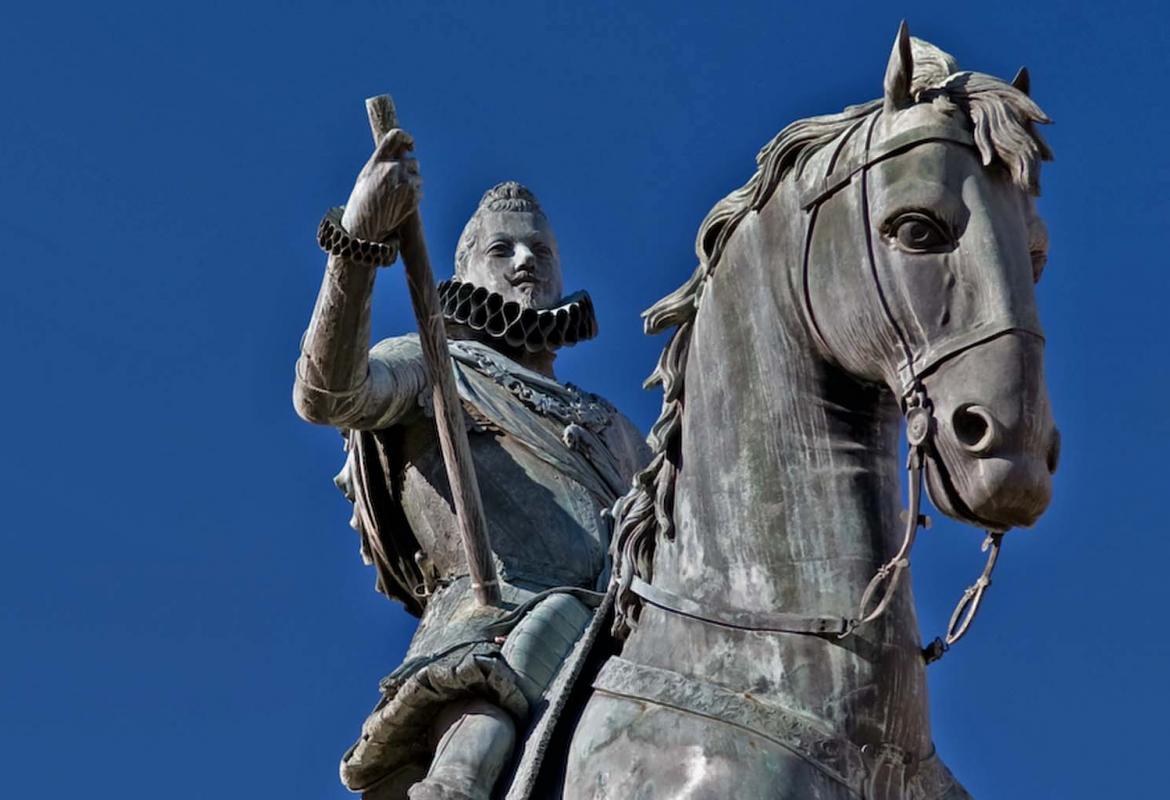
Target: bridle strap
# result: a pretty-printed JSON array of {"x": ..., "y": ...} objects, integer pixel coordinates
[
  {"x": 918, "y": 422},
  {"x": 769, "y": 622},
  {"x": 808, "y": 238},
  {"x": 838, "y": 178},
  {"x": 913, "y": 385}
]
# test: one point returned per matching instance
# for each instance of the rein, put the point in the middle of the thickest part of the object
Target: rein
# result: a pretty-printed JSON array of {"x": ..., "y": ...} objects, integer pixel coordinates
[{"x": 920, "y": 429}]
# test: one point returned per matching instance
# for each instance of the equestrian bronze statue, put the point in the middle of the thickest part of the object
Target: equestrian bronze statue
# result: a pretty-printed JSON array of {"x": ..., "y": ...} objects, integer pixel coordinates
[{"x": 752, "y": 633}]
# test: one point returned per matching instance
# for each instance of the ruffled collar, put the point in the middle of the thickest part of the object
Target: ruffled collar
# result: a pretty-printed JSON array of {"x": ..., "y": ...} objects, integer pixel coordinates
[{"x": 533, "y": 329}]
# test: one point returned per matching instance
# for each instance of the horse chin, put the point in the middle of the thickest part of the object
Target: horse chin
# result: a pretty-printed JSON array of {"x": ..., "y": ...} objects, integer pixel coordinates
[{"x": 992, "y": 493}]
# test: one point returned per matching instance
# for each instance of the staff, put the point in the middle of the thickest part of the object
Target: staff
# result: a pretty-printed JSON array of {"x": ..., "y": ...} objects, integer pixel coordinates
[{"x": 424, "y": 297}]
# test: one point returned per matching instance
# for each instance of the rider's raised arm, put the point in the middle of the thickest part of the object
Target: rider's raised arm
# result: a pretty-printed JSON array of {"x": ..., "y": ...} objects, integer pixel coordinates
[{"x": 337, "y": 383}]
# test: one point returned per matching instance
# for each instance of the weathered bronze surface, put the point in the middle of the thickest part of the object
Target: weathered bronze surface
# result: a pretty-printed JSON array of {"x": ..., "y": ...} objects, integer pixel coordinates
[{"x": 758, "y": 636}]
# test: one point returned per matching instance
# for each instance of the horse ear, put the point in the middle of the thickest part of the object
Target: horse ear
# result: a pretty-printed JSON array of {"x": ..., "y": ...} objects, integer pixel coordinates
[
  {"x": 1023, "y": 81},
  {"x": 899, "y": 71}
]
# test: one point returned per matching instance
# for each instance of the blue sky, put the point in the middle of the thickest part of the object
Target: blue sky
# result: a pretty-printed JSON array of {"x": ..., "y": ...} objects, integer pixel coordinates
[{"x": 182, "y": 607}]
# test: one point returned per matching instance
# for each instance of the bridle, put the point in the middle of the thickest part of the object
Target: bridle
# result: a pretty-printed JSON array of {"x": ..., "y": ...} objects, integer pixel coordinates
[
  {"x": 920, "y": 424},
  {"x": 920, "y": 429}
]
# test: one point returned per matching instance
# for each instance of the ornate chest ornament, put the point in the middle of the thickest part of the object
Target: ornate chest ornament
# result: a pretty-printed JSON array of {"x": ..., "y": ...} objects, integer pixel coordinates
[{"x": 565, "y": 403}]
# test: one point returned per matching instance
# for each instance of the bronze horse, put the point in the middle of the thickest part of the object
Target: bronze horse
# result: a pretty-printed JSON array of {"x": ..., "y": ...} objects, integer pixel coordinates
[{"x": 879, "y": 264}]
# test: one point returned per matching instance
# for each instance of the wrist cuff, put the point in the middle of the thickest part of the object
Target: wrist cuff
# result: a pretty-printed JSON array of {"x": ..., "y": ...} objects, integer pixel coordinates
[{"x": 334, "y": 240}]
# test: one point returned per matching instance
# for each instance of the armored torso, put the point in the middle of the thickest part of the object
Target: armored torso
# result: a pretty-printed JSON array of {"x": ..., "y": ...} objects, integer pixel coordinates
[{"x": 549, "y": 459}]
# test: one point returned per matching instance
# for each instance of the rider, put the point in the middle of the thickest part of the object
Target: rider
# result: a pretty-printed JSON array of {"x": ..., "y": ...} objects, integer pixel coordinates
[{"x": 549, "y": 458}]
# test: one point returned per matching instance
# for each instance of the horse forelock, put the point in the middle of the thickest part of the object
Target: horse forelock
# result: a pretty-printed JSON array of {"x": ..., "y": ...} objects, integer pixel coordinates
[{"x": 1002, "y": 119}]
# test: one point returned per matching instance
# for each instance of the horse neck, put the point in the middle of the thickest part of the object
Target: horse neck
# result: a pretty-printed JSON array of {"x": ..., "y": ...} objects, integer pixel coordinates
[
  {"x": 788, "y": 493},
  {"x": 787, "y": 499}
]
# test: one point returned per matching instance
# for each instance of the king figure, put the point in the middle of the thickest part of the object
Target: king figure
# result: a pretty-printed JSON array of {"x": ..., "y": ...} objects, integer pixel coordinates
[{"x": 478, "y": 682}]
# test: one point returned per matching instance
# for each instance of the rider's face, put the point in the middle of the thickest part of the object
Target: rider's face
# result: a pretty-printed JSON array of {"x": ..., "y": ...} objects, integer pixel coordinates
[{"x": 515, "y": 254}]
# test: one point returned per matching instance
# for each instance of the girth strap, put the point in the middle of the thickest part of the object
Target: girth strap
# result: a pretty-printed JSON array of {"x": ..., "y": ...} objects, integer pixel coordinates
[{"x": 773, "y": 622}]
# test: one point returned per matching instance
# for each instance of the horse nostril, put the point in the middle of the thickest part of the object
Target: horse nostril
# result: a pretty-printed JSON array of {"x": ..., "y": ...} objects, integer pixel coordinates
[
  {"x": 975, "y": 429},
  {"x": 1054, "y": 452}
]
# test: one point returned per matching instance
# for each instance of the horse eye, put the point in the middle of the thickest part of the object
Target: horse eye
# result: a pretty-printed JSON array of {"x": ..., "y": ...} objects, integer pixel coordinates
[{"x": 919, "y": 233}]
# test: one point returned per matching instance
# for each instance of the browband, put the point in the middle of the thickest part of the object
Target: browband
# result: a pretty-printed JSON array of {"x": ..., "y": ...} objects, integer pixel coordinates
[{"x": 896, "y": 145}]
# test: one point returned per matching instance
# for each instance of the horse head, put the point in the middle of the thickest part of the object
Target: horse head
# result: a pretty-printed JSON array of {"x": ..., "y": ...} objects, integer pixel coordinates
[{"x": 922, "y": 253}]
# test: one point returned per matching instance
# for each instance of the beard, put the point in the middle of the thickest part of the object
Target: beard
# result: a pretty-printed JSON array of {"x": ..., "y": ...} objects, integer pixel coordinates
[{"x": 536, "y": 294}]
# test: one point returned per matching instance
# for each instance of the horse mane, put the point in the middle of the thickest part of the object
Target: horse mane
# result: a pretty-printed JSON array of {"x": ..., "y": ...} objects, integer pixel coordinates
[{"x": 1002, "y": 118}]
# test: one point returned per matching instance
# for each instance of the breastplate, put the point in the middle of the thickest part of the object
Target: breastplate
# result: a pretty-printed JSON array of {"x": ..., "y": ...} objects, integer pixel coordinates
[{"x": 546, "y": 529}]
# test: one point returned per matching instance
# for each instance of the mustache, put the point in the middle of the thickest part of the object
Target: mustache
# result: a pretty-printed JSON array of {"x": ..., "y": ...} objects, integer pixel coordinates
[{"x": 525, "y": 275}]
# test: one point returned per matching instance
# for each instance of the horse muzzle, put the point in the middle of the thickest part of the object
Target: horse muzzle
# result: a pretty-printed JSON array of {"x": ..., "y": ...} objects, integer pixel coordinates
[{"x": 995, "y": 447}]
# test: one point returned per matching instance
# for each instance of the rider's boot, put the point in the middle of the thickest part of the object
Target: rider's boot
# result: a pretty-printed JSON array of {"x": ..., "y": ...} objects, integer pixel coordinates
[{"x": 475, "y": 742}]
